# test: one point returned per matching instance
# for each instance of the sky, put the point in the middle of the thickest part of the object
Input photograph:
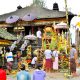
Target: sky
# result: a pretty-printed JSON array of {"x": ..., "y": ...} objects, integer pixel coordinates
[{"x": 7, "y": 6}]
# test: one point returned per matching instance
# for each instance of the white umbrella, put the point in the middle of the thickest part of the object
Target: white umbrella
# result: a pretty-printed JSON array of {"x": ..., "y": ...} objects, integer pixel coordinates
[
  {"x": 61, "y": 25},
  {"x": 75, "y": 22},
  {"x": 30, "y": 37},
  {"x": 12, "y": 19},
  {"x": 29, "y": 17}
]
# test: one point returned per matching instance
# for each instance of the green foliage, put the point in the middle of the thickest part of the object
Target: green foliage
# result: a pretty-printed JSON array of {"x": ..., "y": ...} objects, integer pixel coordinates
[
  {"x": 39, "y": 2},
  {"x": 53, "y": 43},
  {"x": 61, "y": 49},
  {"x": 49, "y": 33},
  {"x": 44, "y": 45}
]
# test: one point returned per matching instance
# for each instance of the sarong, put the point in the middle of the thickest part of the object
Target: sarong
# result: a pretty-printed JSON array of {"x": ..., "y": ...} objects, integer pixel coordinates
[{"x": 72, "y": 65}]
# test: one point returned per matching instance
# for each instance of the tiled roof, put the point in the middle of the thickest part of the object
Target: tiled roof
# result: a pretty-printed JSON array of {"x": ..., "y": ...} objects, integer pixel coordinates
[{"x": 40, "y": 12}]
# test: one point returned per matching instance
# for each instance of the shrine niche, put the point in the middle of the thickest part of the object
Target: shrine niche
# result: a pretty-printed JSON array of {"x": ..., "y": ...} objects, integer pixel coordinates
[
  {"x": 56, "y": 37},
  {"x": 49, "y": 38}
]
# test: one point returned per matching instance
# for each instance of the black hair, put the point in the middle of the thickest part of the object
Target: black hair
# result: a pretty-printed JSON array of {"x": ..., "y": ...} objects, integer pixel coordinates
[
  {"x": 22, "y": 67},
  {"x": 0, "y": 66},
  {"x": 7, "y": 50},
  {"x": 73, "y": 45},
  {"x": 38, "y": 66}
]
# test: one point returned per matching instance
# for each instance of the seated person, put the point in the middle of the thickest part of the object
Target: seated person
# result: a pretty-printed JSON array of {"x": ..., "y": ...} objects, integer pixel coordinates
[
  {"x": 39, "y": 74},
  {"x": 23, "y": 74}
]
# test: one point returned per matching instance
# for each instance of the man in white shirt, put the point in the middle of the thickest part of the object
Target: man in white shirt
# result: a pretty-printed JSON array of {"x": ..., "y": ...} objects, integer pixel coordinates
[{"x": 38, "y": 34}]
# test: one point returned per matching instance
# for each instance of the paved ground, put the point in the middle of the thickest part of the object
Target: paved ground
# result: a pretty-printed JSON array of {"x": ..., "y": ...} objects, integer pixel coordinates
[
  {"x": 52, "y": 76},
  {"x": 49, "y": 76}
]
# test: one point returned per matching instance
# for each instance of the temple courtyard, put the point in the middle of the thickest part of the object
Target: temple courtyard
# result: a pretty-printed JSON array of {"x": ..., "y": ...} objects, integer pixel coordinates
[{"x": 50, "y": 76}]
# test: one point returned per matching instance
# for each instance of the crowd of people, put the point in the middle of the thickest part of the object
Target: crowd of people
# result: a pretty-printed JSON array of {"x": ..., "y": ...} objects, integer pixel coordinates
[{"x": 43, "y": 61}]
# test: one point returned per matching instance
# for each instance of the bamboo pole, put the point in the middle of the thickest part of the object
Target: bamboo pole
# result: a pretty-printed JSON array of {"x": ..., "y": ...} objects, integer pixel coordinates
[
  {"x": 68, "y": 35},
  {"x": 67, "y": 26},
  {"x": 66, "y": 12}
]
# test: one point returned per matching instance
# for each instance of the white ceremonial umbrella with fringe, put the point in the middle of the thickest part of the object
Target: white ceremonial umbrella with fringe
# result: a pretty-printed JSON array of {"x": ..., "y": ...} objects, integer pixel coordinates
[
  {"x": 75, "y": 22},
  {"x": 61, "y": 25},
  {"x": 30, "y": 37}
]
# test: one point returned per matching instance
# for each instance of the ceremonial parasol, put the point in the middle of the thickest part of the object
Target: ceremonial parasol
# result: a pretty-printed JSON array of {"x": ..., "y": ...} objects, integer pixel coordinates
[
  {"x": 75, "y": 21},
  {"x": 12, "y": 19},
  {"x": 29, "y": 17},
  {"x": 61, "y": 25},
  {"x": 30, "y": 37}
]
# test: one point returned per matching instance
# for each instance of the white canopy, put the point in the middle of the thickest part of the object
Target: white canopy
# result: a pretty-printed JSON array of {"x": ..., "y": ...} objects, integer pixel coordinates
[{"x": 61, "y": 25}]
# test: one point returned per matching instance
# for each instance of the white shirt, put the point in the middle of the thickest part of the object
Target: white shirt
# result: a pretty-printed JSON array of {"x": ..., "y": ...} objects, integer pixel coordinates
[
  {"x": 34, "y": 60},
  {"x": 48, "y": 54},
  {"x": 55, "y": 53},
  {"x": 9, "y": 56},
  {"x": 38, "y": 34}
]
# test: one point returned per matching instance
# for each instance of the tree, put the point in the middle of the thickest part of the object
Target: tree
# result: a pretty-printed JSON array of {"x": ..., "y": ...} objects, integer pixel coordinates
[{"x": 39, "y": 2}]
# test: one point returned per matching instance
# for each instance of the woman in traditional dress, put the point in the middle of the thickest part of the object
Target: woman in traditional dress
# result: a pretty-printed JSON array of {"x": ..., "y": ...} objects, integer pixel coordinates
[
  {"x": 55, "y": 62},
  {"x": 48, "y": 59}
]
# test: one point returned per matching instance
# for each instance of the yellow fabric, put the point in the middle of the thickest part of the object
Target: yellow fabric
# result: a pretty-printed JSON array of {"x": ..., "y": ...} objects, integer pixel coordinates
[{"x": 78, "y": 24}]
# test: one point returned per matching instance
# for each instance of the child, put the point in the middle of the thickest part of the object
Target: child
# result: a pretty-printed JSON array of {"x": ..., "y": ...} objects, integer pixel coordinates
[{"x": 34, "y": 61}]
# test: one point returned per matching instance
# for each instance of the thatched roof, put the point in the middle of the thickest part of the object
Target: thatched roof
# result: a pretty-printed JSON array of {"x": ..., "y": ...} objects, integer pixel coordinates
[
  {"x": 40, "y": 12},
  {"x": 6, "y": 35}
]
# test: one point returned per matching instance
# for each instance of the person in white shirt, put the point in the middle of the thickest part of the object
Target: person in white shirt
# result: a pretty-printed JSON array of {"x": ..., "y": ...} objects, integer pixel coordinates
[
  {"x": 9, "y": 58},
  {"x": 48, "y": 57},
  {"x": 34, "y": 61},
  {"x": 38, "y": 34}
]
